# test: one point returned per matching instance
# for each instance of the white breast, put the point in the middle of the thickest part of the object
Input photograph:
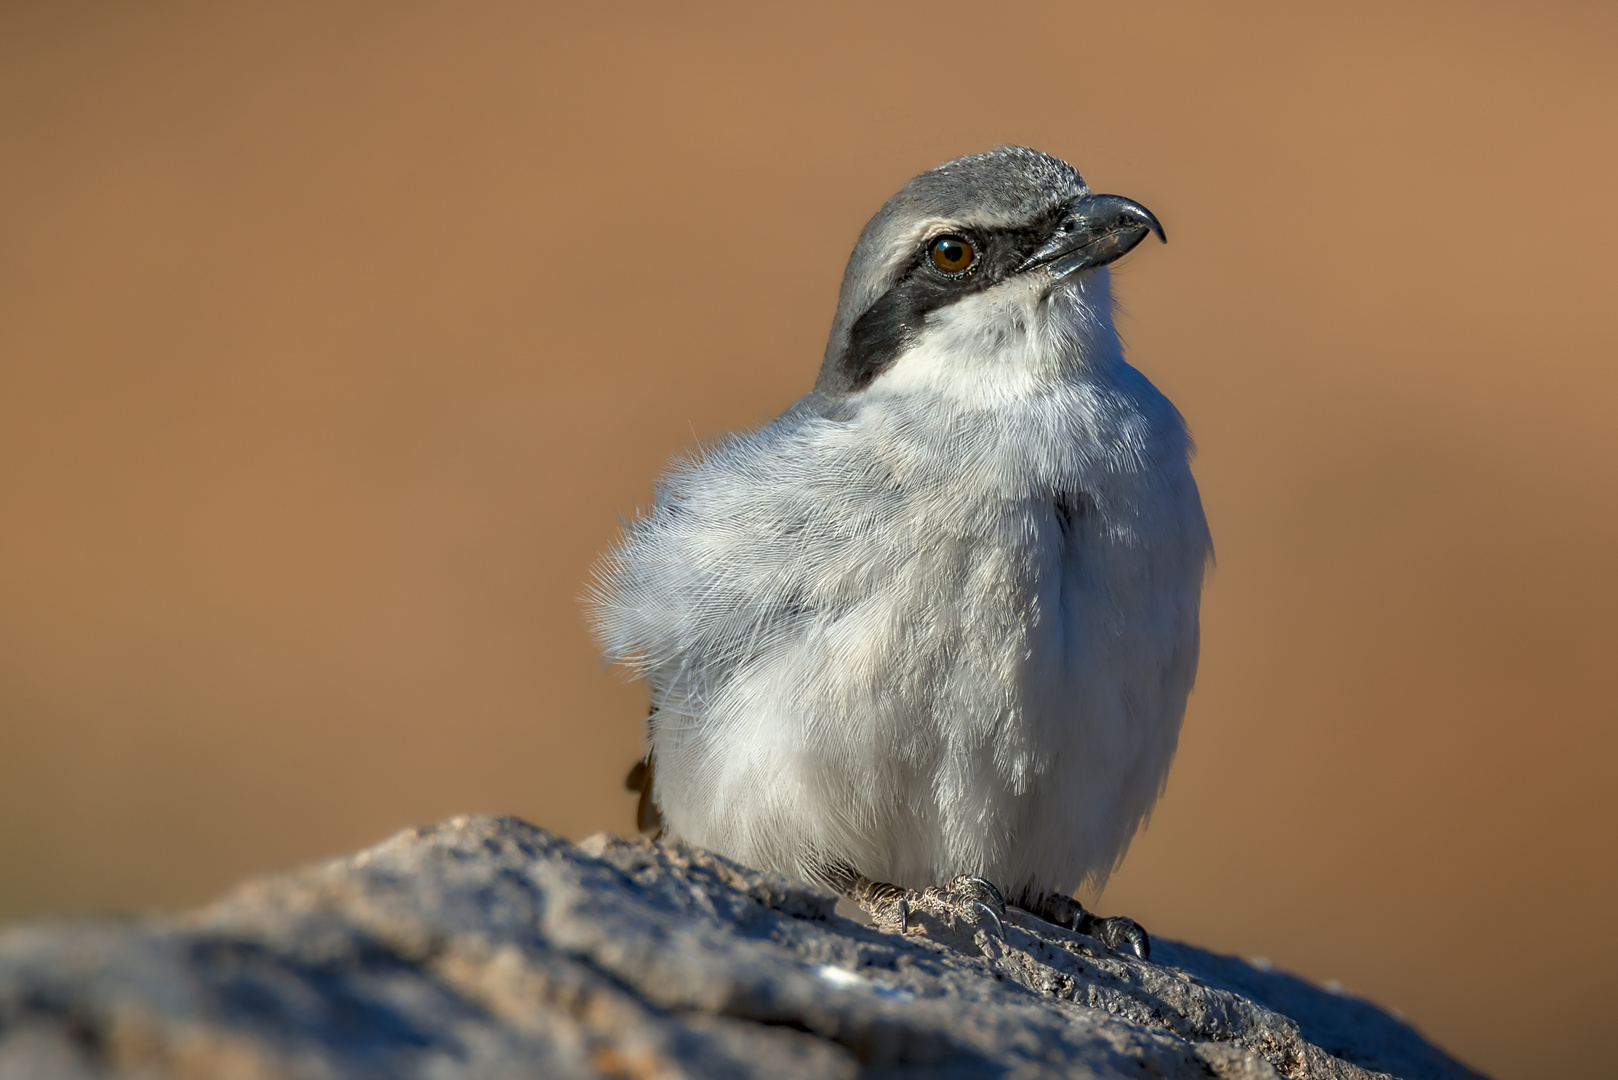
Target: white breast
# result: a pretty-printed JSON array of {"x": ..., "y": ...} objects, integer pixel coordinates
[{"x": 874, "y": 640}]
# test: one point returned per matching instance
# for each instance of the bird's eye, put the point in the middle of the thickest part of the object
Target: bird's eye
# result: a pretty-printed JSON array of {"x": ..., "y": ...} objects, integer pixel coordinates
[{"x": 952, "y": 254}]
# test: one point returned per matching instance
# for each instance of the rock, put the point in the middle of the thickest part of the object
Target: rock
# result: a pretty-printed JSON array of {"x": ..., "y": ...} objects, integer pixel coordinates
[{"x": 486, "y": 947}]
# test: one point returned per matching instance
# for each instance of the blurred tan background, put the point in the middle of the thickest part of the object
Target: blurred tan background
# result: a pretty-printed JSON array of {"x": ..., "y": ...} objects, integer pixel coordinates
[{"x": 334, "y": 339}]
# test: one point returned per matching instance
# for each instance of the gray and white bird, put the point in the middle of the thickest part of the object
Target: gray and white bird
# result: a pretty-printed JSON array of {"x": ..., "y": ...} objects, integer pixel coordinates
[{"x": 939, "y": 619}]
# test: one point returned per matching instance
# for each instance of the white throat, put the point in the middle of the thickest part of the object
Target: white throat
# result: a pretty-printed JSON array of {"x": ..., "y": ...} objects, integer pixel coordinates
[{"x": 1007, "y": 343}]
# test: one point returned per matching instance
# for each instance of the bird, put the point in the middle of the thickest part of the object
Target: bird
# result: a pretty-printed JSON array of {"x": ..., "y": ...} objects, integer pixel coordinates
[{"x": 935, "y": 626}]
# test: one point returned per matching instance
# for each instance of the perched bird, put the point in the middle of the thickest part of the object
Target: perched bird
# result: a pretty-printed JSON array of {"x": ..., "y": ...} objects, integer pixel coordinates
[{"x": 938, "y": 621}]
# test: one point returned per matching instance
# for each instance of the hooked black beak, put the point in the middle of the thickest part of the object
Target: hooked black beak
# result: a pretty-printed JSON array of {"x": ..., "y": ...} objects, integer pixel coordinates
[{"x": 1096, "y": 230}]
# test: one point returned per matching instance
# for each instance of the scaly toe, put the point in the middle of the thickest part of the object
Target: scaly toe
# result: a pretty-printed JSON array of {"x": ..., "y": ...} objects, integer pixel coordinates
[
  {"x": 971, "y": 889},
  {"x": 1124, "y": 935},
  {"x": 1059, "y": 910}
]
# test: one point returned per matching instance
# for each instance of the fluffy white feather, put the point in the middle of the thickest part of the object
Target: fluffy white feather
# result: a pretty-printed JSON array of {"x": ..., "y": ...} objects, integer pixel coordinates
[{"x": 949, "y": 628}]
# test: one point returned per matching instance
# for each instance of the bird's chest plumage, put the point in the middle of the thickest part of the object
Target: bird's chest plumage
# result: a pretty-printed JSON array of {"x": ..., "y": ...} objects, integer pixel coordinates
[
  {"x": 923, "y": 640},
  {"x": 1010, "y": 632}
]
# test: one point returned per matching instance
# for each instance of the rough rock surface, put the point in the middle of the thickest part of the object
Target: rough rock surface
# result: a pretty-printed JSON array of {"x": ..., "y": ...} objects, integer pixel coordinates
[{"x": 486, "y": 947}]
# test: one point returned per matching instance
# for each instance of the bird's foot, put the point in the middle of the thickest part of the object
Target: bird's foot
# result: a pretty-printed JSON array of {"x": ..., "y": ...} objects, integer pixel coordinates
[
  {"x": 1118, "y": 933},
  {"x": 955, "y": 912}
]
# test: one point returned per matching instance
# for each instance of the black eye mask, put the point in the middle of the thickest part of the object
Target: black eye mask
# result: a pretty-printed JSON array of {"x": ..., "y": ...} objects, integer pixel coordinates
[{"x": 891, "y": 325}]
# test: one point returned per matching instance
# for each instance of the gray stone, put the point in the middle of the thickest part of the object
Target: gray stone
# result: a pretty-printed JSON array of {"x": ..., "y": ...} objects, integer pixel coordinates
[{"x": 486, "y": 947}]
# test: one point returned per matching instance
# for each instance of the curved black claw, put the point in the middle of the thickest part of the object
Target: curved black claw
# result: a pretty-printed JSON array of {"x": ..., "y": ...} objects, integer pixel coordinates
[
  {"x": 1121, "y": 934},
  {"x": 981, "y": 891},
  {"x": 993, "y": 919},
  {"x": 966, "y": 899},
  {"x": 1117, "y": 933}
]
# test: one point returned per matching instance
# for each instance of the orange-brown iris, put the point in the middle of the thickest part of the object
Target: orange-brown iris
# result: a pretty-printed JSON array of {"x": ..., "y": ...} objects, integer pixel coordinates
[{"x": 952, "y": 254}]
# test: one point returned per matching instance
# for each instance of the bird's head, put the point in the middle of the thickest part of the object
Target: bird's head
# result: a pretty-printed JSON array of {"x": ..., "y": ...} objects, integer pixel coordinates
[{"x": 988, "y": 260}]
